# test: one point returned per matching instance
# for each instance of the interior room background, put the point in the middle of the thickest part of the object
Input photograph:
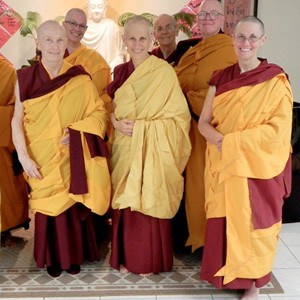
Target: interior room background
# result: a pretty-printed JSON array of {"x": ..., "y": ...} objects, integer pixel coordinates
[{"x": 281, "y": 18}]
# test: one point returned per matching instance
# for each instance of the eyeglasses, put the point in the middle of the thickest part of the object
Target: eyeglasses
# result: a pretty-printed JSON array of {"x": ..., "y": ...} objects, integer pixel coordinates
[
  {"x": 212, "y": 15},
  {"x": 75, "y": 24},
  {"x": 252, "y": 39},
  {"x": 168, "y": 28}
]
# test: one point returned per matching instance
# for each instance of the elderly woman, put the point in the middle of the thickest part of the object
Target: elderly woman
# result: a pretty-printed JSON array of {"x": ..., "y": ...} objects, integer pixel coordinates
[
  {"x": 150, "y": 149},
  {"x": 58, "y": 125}
]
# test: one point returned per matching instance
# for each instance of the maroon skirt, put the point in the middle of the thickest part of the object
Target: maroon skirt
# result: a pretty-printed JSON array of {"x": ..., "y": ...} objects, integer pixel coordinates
[
  {"x": 67, "y": 239},
  {"x": 214, "y": 256},
  {"x": 142, "y": 244}
]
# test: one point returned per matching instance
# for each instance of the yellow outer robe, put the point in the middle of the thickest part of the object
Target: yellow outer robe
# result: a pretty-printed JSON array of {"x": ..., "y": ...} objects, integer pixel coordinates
[
  {"x": 256, "y": 124},
  {"x": 94, "y": 64},
  {"x": 194, "y": 71},
  {"x": 147, "y": 167},
  {"x": 13, "y": 191},
  {"x": 75, "y": 105}
]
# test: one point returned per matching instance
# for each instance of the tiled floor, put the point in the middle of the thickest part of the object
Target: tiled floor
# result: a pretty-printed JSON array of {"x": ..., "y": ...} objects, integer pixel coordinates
[{"x": 286, "y": 270}]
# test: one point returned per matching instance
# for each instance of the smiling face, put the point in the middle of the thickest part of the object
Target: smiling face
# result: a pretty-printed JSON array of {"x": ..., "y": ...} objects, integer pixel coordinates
[
  {"x": 210, "y": 26},
  {"x": 138, "y": 39},
  {"x": 248, "y": 38},
  {"x": 75, "y": 25},
  {"x": 165, "y": 30},
  {"x": 52, "y": 42}
]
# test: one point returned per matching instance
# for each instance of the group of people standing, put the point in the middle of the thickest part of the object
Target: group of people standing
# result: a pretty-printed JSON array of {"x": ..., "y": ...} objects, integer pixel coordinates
[{"x": 208, "y": 120}]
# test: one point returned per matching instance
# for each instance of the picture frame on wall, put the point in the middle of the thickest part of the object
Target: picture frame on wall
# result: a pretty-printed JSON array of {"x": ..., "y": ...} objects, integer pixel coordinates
[{"x": 235, "y": 10}]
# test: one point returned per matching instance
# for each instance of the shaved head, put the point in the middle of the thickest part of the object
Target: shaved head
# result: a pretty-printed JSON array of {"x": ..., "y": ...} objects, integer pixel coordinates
[
  {"x": 137, "y": 20},
  {"x": 50, "y": 25},
  {"x": 170, "y": 19},
  {"x": 252, "y": 19},
  {"x": 76, "y": 11},
  {"x": 215, "y": 3}
]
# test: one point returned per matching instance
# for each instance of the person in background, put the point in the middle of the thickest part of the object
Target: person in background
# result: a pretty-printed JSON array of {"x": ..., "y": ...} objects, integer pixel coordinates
[
  {"x": 165, "y": 32},
  {"x": 215, "y": 51},
  {"x": 13, "y": 189},
  {"x": 246, "y": 121},
  {"x": 75, "y": 24},
  {"x": 150, "y": 149},
  {"x": 58, "y": 127},
  {"x": 103, "y": 34},
  {"x": 76, "y": 53}
]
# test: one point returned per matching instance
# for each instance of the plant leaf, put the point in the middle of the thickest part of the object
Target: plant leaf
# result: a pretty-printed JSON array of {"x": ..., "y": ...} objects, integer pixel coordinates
[{"x": 124, "y": 18}]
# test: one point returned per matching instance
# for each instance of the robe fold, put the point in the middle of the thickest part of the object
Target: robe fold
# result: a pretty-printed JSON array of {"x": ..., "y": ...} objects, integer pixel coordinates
[
  {"x": 75, "y": 104},
  {"x": 246, "y": 183},
  {"x": 147, "y": 167},
  {"x": 13, "y": 189},
  {"x": 99, "y": 70},
  {"x": 194, "y": 71},
  {"x": 94, "y": 64},
  {"x": 75, "y": 184}
]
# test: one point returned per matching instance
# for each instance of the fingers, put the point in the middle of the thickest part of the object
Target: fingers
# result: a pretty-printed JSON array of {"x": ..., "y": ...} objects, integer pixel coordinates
[
  {"x": 65, "y": 140},
  {"x": 125, "y": 127},
  {"x": 32, "y": 169}
]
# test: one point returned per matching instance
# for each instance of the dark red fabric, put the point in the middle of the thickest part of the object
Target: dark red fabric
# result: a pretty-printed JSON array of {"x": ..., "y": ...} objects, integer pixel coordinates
[
  {"x": 121, "y": 73},
  {"x": 231, "y": 77},
  {"x": 34, "y": 81},
  {"x": 78, "y": 184},
  {"x": 214, "y": 256},
  {"x": 267, "y": 196},
  {"x": 142, "y": 244},
  {"x": 66, "y": 53},
  {"x": 97, "y": 147},
  {"x": 69, "y": 238},
  {"x": 175, "y": 56}
]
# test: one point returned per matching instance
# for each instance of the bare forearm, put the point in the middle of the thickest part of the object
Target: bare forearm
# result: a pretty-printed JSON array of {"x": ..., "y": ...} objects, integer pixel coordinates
[
  {"x": 210, "y": 133},
  {"x": 19, "y": 138}
]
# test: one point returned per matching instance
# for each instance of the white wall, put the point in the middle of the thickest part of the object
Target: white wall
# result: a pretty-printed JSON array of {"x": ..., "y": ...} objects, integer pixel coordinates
[
  {"x": 282, "y": 23},
  {"x": 281, "y": 18},
  {"x": 18, "y": 49}
]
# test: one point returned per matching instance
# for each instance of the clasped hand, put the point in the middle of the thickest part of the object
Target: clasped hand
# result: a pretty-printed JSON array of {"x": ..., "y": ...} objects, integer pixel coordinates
[{"x": 125, "y": 126}]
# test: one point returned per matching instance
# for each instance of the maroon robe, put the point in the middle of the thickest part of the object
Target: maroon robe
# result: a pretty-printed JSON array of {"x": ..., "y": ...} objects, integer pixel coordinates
[
  {"x": 266, "y": 195},
  {"x": 140, "y": 243},
  {"x": 181, "y": 48},
  {"x": 69, "y": 238}
]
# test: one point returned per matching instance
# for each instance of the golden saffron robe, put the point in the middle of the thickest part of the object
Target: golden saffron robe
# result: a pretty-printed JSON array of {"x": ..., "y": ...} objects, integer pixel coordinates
[
  {"x": 75, "y": 105},
  {"x": 147, "y": 166},
  {"x": 194, "y": 71},
  {"x": 94, "y": 64},
  {"x": 254, "y": 113},
  {"x": 14, "y": 196}
]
